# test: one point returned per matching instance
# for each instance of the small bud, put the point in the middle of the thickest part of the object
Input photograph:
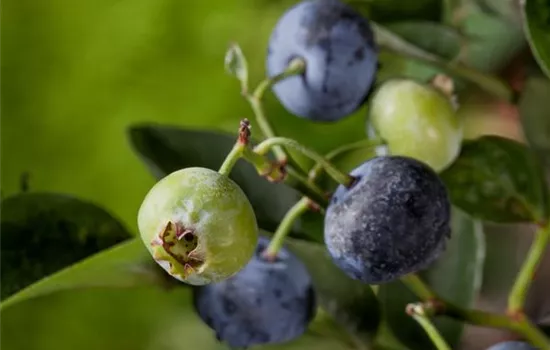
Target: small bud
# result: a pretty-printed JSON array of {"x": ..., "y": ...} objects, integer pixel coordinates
[{"x": 236, "y": 65}]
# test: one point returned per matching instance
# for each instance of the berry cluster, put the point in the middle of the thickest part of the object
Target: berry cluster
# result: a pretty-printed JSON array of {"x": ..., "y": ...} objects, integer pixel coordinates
[{"x": 387, "y": 218}]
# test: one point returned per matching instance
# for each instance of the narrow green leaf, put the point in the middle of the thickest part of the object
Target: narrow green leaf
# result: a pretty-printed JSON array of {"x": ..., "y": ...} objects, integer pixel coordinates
[
  {"x": 506, "y": 9},
  {"x": 389, "y": 41},
  {"x": 163, "y": 318},
  {"x": 536, "y": 15},
  {"x": 236, "y": 65},
  {"x": 498, "y": 179},
  {"x": 41, "y": 233},
  {"x": 126, "y": 265},
  {"x": 456, "y": 276},
  {"x": 534, "y": 109},
  {"x": 433, "y": 37},
  {"x": 351, "y": 303},
  {"x": 386, "y": 11},
  {"x": 137, "y": 319},
  {"x": 166, "y": 149}
]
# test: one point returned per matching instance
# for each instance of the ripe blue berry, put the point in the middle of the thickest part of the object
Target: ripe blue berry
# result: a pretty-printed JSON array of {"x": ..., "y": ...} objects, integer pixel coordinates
[
  {"x": 341, "y": 59},
  {"x": 394, "y": 220},
  {"x": 267, "y": 302},
  {"x": 512, "y": 345}
]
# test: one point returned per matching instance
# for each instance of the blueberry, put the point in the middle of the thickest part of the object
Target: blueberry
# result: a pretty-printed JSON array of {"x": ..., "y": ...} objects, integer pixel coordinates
[
  {"x": 338, "y": 47},
  {"x": 512, "y": 345},
  {"x": 394, "y": 220},
  {"x": 266, "y": 302}
]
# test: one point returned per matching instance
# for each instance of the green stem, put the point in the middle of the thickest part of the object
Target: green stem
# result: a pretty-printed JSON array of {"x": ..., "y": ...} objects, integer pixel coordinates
[
  {"x": 519, "y": 324},
  {"x": 336, "y": 174},
  {"x": 296, "y": 66},
  {"x": 273, "y": 171},
  {"x": 284, "y": 228},
  {"x": 366, "y": 143},
  {"x": 309, "y": 187},
  {"x": 417, "y": 312},
  {"x": 418, "y": 287},
  {"x": 523, "y": 281},
  {"x": 232, "y": 158}
]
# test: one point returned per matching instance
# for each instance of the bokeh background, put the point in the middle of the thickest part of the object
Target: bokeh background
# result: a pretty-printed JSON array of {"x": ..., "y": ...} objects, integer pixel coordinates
[{"x": 76, "y": 74}]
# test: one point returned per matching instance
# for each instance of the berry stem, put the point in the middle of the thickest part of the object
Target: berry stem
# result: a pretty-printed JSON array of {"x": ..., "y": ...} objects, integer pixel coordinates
[
  {"x": 306, "y": 187},
  {"x": 285, "y": 227},
  {"x": 296, "y": 66},
  {"x": 332, "y": 171},
  {"x": 519, "y": 323},
  {"x": 238, "y": 149},
  {"x": 519, "y": 291},
  {"x": 231, "y": 159},
  {"x": 418, "y": 287},
  {"x": 417, "y": 312},
  {"x": 366, "y": 143}
]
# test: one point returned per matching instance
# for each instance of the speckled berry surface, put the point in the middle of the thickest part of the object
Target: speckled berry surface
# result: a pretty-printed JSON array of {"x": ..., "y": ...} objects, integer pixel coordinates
[
  {"x": 394, "y": 220},
  {"x": 338, "y": 47},
  {"x": 198, "y": 225},
  {"x": 417, "y": 121},
  {"x": 512, "y": 345},
  {"x": 265, "y": 303}
]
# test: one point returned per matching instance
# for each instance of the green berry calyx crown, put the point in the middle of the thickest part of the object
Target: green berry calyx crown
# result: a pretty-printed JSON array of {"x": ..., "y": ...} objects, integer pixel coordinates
[{"x": 176, "y": 246}]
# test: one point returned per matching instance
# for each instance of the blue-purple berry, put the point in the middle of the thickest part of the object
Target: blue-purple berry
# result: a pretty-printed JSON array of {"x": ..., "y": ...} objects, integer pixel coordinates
[
  {"x": 512, "y": 345},
  {"x": 267, "y": 302},
  {"x": 337, "y": 45},
  {"x": 394, "y": 220}
]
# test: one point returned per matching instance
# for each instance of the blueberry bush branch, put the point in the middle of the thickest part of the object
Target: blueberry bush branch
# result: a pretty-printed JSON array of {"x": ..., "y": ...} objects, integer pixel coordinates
[
  {"x": 439, "y": 306},
  {"x": 331, "y": 170},
  {"x": 418, "y": 312},
  {"x": 296, "y": 66},
  {"x": 285, "y": 227},
  {"x": 523, "y": 281},
  {"x": 397, "y": 200}
]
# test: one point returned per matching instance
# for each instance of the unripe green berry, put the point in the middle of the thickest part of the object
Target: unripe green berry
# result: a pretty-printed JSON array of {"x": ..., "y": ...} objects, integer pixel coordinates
[
  {"x": 418, "y": 121},
  {"x": 198, "y": 225}
]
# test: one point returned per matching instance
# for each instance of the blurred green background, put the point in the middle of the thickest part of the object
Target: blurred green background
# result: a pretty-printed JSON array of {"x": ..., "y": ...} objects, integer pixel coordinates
[{"x": 75, "y": 75}]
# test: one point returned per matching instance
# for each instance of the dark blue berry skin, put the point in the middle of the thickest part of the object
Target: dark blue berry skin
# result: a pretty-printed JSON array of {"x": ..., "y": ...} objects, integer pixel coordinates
[
  {"x": 512, "y": 345},
  {"x": 338, "y": 47},
  {"x": 265, "y": 303},
  {"x": 394, "y": 220}
]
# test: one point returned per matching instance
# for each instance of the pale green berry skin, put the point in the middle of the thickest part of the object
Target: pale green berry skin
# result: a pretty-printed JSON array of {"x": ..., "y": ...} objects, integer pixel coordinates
[
  {"x": 215, "y": 209},
  {"x": 418, "y": 121}
]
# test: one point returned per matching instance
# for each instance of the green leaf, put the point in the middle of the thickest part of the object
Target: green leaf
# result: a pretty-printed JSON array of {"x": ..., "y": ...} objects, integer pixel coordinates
[
  {"x": 498, "y": 179},
  {"x": 137, "y": 319},
  {"x": 109, "y": 316},
  {"x": 126, "y": 265},
  {"x": 537, "y": 26},
  {"x": 392, "y": 43},
  {"x": 42, "y": 233},
  {"x": 506, "y": 9},
  {"x": 433, "y": 37},
  {"x": 166, "y": 149},
  {"x": 396, "y": 10},
  {"x": 534, "y": 109},
  {"x": 236, "y": 65},
  {"x": 456, "y": 276},
  {"x": 351, "y": 303}
]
